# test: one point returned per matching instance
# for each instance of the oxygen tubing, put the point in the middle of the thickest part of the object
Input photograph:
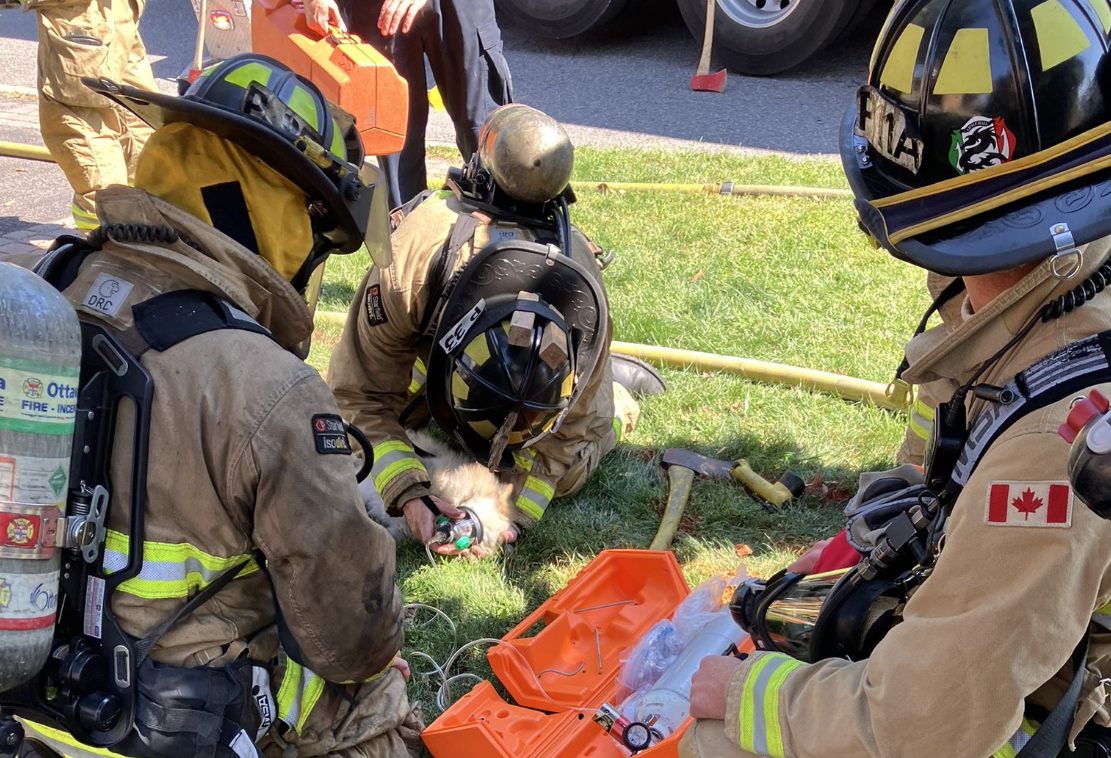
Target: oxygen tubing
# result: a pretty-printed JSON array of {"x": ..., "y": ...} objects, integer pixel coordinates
[
  {"x": 895, "y": 398},
  {"x": 716, "y": 188},
  {"x": 29, "y": 152}
]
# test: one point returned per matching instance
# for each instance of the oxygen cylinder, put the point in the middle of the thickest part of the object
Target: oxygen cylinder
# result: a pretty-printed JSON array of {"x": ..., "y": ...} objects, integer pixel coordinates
[
  {"x": 669, "y": 702},
  {"x": 40, "y": 365}
]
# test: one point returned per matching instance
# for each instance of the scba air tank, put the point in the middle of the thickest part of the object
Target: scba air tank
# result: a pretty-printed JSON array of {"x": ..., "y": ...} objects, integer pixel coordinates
[{"x": 40, "y": 364}]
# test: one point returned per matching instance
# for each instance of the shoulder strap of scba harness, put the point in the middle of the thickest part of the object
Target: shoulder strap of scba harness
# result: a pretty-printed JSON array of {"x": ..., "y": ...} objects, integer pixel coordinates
[
  {"x": 1068, "y": 371},
  {"x": 111, "y": 371}
]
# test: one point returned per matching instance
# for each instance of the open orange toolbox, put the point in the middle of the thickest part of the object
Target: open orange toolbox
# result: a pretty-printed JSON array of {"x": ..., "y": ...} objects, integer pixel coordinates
[{"x": 482, "y": 724}]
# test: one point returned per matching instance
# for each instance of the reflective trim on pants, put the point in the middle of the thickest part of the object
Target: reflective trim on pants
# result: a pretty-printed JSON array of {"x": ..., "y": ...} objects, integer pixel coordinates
[
  {"x": 62, "y": 742},
  {"x": 300, "y": 691},
  {"x": 534, "y": 497},
  {"x": 759, "y": 720},
  {"x": 169, "y": 570},
  {"x": 83, "y": 219},
  {"x": 392, "y": 459},
  {"x": 420, "y": 376},
  {"x": 1018, "y": 740},
  {"x": 921, "y": 419}
]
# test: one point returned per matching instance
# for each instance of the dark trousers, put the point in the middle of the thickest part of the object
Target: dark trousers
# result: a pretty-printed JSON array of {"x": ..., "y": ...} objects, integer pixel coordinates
[{"x": 463, "y": 45}]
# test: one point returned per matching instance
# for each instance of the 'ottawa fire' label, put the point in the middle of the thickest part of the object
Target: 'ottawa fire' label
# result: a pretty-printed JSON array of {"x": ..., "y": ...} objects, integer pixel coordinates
[{"x": 40, "y": 399}]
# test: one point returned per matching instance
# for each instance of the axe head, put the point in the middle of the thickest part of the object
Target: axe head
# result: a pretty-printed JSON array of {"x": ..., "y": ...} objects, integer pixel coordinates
[{"x": 699, "y": 464}]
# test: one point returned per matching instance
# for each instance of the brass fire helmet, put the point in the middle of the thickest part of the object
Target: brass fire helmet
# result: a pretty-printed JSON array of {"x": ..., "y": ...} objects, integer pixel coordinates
[
  {"x": 527, "y": 153},
  {"x": 817, "y": 616}
]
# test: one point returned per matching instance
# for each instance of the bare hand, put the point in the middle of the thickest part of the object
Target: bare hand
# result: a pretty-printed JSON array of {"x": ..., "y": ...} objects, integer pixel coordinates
[
  {"x": 398, "y": 14},
  {"x": 710, "y": 686},
  {"x": 806, "y": 562},
  {"x": 320, "y": 15},
  {"x": 421, "y": 520},
  {"x": 401, "y": 665}
]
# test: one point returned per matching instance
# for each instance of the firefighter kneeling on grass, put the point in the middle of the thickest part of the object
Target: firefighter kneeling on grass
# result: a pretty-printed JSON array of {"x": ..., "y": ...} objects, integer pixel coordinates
[
  {"x": 250, "y": 181},
  {"x": 977, "y": 623},
  {"x": 492, "y": 321}
]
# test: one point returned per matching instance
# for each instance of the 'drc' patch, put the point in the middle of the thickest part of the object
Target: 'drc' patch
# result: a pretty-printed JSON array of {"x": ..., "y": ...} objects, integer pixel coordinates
[
  {"x": 330, "y": 435},
  {"x": 374, "y": 310}
]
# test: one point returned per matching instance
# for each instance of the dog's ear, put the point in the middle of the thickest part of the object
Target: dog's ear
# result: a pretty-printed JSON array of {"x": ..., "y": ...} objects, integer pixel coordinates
[{"x": 506, "y": 490}]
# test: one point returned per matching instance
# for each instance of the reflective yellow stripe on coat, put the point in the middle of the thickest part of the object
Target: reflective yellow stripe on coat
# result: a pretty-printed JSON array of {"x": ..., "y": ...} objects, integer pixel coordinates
[
  {"x": 759, "y": 724},
  {"x": 300, "y": 690},
  {"x": 392, "y": 459},
  {"x": 169, "y": 570}
]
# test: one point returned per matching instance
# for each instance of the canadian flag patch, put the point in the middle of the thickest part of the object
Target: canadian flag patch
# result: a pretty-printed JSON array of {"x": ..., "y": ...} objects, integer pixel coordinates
[{"x": 1030, "y": 504}]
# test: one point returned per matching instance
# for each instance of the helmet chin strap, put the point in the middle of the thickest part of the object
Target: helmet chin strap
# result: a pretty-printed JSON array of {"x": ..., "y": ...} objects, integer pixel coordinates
[{"x": 501, "y": 441}]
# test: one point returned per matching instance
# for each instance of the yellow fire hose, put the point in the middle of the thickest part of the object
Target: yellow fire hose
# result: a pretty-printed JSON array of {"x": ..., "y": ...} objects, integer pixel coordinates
[
  {"x": 717, "y": 188},
  {"x": 29, "y": 152},
  {"x": 898, "y": 398}
]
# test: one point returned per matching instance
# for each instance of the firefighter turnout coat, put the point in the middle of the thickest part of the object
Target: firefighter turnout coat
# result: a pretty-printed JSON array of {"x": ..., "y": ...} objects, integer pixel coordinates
[
  {"x": 1023, "y": 568},
  {"x": 372, "y": 370},
  {"x": 235, "y": 467}
]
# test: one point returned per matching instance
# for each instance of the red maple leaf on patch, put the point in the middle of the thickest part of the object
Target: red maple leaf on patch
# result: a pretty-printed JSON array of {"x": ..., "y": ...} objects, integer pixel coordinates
[{"x": 1027, "y": 504}]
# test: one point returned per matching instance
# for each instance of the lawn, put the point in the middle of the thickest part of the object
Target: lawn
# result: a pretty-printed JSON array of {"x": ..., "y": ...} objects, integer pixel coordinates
[{"x": 784, "y": 280}]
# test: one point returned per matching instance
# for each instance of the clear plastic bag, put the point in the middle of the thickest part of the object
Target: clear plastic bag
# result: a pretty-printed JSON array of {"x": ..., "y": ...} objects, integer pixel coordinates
[{"x": 665, "y": 642}]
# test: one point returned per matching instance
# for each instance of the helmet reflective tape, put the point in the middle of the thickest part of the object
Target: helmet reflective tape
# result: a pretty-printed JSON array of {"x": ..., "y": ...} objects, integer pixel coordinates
[
  {"x": 477, "y": 350},
  {"x": 301, "y": 102},
  {"x": 246, "y": 74}
]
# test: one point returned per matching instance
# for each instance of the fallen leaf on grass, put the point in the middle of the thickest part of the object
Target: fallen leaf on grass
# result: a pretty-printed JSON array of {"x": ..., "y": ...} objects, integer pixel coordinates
[
  {"x": 736, "y": 406},
  {"x": 697, "y": 276},
  {"x": 743, "y": 551},
  {"x": 832, "y": 491},
  {"x": 705, "y": 374}
]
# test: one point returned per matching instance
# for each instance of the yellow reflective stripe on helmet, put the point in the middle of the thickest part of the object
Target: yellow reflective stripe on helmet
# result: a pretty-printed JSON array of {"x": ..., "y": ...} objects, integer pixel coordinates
[
  {"x": 391, "y": 459},
  {"x": 63, "y": 742},
  {"x": 759, "y": 717},
  {"x": 535, "y": 496},
  {"x": 301, "y": 103},
  {"x": 169, "y": 570},
  {"x": 338, "y": 147},
  {"x": 300, "y": 691},
  {"x": 420, "y": 376},
  {"x": 1018, "y": 740},
  {"x": 247, "y": 73},
  {"x": 478, "y": 351}
]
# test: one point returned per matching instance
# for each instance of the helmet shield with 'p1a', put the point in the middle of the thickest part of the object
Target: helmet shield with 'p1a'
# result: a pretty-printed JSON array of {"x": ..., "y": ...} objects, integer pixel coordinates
[
  {"x": 978, "y": 143},
  {"x": 283, "y": 120},
  {"x": 519, "y": 333}
]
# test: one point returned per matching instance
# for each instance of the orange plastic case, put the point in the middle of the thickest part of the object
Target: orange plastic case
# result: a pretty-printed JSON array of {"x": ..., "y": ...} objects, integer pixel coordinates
[
  {"x": 350, "y": 72},
  {"x": 482, "y": 724}
]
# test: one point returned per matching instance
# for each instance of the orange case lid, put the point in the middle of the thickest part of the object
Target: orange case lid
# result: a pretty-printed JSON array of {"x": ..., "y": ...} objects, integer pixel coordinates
[
  {"x": 481, "y": 723},
  {"x": 350, "y": 73}
]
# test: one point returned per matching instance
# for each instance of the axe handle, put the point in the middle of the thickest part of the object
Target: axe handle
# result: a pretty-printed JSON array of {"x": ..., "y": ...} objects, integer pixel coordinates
[
  {"x": 679, "y": 480},
  {"x": 708, "y": 40}
]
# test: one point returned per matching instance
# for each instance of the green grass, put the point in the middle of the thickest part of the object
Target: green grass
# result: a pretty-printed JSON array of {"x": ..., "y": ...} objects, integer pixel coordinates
[{"x": 784, "y": 280}]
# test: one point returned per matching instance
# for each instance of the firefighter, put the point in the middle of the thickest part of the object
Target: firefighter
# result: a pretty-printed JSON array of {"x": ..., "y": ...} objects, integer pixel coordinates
[
  {"x": 206, "y": 269},
  {"x": 988, "y": 118},
  {"x": 431, "y": 337},
  {"x": 463, "y": 45},
  {"x": 94, "y": 141}
]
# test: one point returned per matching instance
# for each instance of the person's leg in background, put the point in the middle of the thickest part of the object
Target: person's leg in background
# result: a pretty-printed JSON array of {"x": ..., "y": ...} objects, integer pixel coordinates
[
  {"x": 87, "y": 135},
  {"x": 470, "y": 67}
]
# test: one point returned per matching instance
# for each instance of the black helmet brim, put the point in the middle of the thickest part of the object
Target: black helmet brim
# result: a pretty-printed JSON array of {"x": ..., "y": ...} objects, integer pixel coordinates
[{"x": 1017, "y": 232}]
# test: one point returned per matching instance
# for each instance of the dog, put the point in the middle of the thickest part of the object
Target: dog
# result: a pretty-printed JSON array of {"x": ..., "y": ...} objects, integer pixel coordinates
[{"x": 457, "y": 479}]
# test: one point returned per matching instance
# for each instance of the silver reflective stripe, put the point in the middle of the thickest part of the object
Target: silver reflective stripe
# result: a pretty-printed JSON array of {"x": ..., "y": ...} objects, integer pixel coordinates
[
  {"x": 1019, "y": 739},
  {"x": 759, "y": 709},
  {"x": 156, "y": 571},
  {"x": 1103, "y": 620}
]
